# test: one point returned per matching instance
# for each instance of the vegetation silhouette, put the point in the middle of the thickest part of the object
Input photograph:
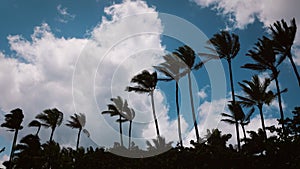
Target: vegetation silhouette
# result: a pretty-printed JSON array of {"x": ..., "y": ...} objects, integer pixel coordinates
[
  {"x": 257, "y": 94},
  {"x": 78, "y": 122},
  {"x": 255, "y": 150},
  {"x": 146, "y": 83},
  {"x": 188, "y": 56},
  {"x": 174, "y": 69},
  {"x": 265, "y": 57},
  {"x": 225, "y": 46}
]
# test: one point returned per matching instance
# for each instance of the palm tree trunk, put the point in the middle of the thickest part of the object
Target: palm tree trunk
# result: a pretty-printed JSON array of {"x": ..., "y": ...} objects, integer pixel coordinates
[
  {"x": 51, "y": 136},
  {"x": 262, "y": 120},
  {"x": 154, "y": 114},
  {"x": 294, "y": 67},
  {"x": 244, "y": 131},
  {"x": 121, "y": 131},
  {"x": 129, "y": 142},
  {"x": 233, "y": 100},
  {"x": 78, "y": 138},
  {"x": 280, "y": 103},
  {"x": 193, "y": 109},
  {"x": 178, "y": 115},
  {"x": 13, "y": 148},
  {"x": 37, "y": 132}
]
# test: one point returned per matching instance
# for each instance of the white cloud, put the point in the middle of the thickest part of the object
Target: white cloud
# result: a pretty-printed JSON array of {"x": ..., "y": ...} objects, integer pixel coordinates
[
  {"x": 64, "y": 15},
  {"x": 81, "y": 75},
  {"x": 240, "y": 13},
  {"x": 202, "y": 94}
]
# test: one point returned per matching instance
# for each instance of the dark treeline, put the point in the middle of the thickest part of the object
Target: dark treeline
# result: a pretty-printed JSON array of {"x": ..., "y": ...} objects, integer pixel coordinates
[{"x": 257, "y": 150}]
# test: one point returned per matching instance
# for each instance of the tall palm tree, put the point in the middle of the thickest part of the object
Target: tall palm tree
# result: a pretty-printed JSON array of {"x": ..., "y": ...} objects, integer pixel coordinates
[
  {"x": 265, "y": 59},
  {"x": 237, "y": 113},
  {"x": 13, "y": 122},
  {"x": 51, "y": 118},
  {"x": 256, "y": 94},
  {"x": 188, "y": 56},
  {"x": 128, "y": 114},
  {"x": 283, "y": 37},
  {"x": 115, "y": 109},
  {"x": 35, "y": 123},
  {"x": 146, "y": 83},
  {"x": 173, "y": 68},
  {"x": 225, "y": 46},
  {"x": 78, "y": 122}
]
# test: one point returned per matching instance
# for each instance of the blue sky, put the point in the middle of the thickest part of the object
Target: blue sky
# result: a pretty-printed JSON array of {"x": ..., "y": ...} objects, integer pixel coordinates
[{"x": 50, "y": 58}]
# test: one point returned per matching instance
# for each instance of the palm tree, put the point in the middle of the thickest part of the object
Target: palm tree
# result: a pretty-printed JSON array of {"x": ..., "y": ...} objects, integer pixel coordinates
[
  {"x": 51, "y": 118},
  {"x": 256, "y": 94},
  {"x": 29, "y": 153},
  {"x": 78, "y": 122},
  {"x": 35, "y": 123},
  {"x": 13, "y": 122},
  {"x": 265, "y": 58},
  {"x": 226, "y": 46},
  {"x": 115, "y": 109},
  {"x": 283, "y": 37},
  {"x": 128, "y": 114},
  {"x": 146, "y": 83},
  {"x": 188, "y": 56},
  {"x": 173, "y": 68},
  {"x": 237, "y": 113}
]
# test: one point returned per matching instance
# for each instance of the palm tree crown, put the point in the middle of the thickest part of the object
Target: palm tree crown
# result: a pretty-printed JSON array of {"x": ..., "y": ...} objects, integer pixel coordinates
[
  {"x": 78, "y": 122},
  {"x": 283, "y": 37},
  {"x": 146, "y": 83},
  {"x": 13, "y": 122},
  {"x": 256, "y": 93},
  {"x": 51, "y": 118}
]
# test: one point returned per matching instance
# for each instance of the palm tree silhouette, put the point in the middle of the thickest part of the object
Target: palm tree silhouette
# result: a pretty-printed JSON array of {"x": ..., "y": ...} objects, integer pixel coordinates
[
  {"x": 13, "y": 122},
  {"x": 173, "y": 68},
  {"x": 226, "y": 46},
  {"x": 78, "y": 122},
  {"x": 128, "y": 114},
  {"x": 256, "y": 94},
  {"x": 29, "y": 153},
  {"x": 146, "y": 83},
  {"x": 35, "y": 123},
  {"x": 115, "y": 109},
  {"x": 188, "y": 56},
  {"x": 283, "y": 37},
  {"x": 237, "y": 113},
  {"x": 265, "y": 57},
  {"x": 51, "y": 118}
]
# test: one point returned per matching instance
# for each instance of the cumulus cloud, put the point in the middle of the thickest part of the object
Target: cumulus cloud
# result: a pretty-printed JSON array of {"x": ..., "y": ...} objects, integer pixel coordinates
[
  {"x": 81, "y": 75},
  {"x": 63, "y": 15},
  {"x": 240, "y": 13}
]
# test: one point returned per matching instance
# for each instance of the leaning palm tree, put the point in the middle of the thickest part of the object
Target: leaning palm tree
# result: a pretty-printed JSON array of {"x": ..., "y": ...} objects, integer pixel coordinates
[
  {"x": 13, "y": 122},
  {"x": 146, "y": 83},
  {"x": 128, "y": 114},
  {"x": 35, "y": 123},
  {"x": 188, "y": 56},
  {"x": 265, "y": 59},
  {"x": 237, "y": 113},
  {"x": 225, "y": 46},
  {"x": 78, "y": 122},
  {"x": 283, "y": 37},
  {"x": 256, "y": 94},
  {"x": 173, "y": 68},
  {"x": 51, "y": 118},
  {"x": 115, "y": 109}
]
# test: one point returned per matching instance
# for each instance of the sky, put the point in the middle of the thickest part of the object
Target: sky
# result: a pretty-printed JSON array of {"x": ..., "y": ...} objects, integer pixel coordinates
[{"x": 76, "y": 55}]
